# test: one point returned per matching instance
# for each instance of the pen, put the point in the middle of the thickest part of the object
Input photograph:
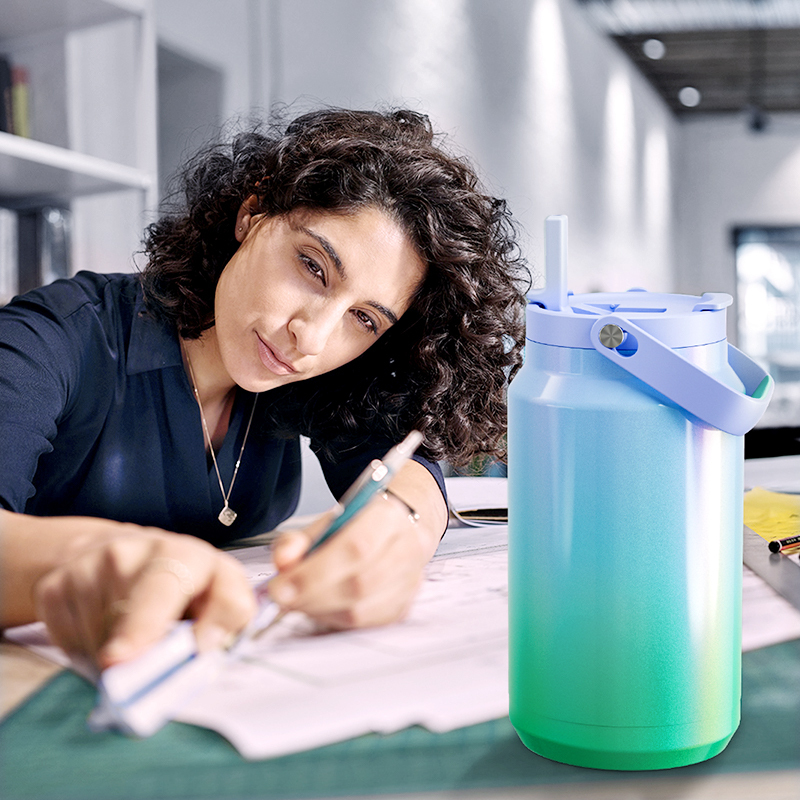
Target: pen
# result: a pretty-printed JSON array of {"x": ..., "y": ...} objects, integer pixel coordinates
[
  {"x": 781, "y": 545},
  {"x": 373, "y": 480}
]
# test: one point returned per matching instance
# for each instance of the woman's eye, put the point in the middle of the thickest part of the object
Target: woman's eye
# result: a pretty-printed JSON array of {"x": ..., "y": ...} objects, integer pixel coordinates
[
  {"x": 367, "y": 321},
  {"x": 314, "y": 268}
]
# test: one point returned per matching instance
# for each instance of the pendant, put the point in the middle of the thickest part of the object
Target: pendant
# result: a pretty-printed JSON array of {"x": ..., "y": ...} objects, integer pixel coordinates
[{"x": 227, "y": 515}]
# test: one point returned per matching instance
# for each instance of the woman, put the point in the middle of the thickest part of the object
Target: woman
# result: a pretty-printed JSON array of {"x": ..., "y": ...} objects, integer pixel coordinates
[{"x": 344, "y": 278}]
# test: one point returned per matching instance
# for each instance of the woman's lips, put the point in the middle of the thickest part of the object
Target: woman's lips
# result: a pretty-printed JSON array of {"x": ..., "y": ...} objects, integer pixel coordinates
[{"x": 272, "y": 359}]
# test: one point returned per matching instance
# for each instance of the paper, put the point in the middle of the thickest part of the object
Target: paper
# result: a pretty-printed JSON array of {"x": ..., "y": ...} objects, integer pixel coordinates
[
  {"x": 475, "y": 502},
  {"x": 443, "y": 667},
  {"x": 772, "y": 515},
  {"x": 468, "y": 493},
  {"x": 139, "y": 697}
]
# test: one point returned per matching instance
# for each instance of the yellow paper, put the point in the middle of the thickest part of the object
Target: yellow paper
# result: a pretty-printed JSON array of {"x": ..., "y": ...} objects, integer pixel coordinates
[{"x": 772, "y": 515}]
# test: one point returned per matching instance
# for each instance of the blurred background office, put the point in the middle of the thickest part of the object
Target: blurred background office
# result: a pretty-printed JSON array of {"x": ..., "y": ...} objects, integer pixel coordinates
[{"x": 669, "y": 133}]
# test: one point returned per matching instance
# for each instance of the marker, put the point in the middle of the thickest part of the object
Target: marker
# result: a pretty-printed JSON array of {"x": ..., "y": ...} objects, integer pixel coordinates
[{"x": 779, "y": 545}]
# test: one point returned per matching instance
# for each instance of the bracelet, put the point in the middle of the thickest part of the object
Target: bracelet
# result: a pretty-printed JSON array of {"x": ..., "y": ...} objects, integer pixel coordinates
[{"x": 412, "y": 514}]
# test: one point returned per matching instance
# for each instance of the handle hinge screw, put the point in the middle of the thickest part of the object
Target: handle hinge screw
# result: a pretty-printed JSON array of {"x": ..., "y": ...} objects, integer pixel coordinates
[{"x": 611, "y": 336}]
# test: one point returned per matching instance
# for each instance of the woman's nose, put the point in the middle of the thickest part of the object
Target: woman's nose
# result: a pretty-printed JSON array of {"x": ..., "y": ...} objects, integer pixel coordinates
[{"x": 312, "y": 330}]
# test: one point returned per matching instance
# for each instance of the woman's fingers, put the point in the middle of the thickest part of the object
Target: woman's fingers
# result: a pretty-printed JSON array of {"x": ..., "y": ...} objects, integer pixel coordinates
[
  {"x": 365, "y": 575},
  {"x": 158, "y": 597},
  {"x": 92, "y": 621},
  {"x": 305, "y": 583},
  {"x": 55, "y": 608},
  {"x": 186, "y": 577},
  {"x": 225, "y": 608},
  {"x": 291, "y": 546},
  {"x": 117, "y": 598}
]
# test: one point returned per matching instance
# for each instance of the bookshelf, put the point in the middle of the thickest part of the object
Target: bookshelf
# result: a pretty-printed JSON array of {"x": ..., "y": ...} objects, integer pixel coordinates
[
  {"x": 34, "y": 172},
  {"x": 73, "y": 130}
]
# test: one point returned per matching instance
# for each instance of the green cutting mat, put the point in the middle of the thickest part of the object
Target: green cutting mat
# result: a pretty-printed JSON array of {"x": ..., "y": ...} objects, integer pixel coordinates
[{"x": 47, "y": 753}]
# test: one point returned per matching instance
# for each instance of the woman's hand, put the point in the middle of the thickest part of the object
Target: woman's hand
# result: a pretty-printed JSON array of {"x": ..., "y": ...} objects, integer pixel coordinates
[
  {"x": 116, "y": 598},
  {"x": 368, "y": 573},
  {"x": 108, "y": 590}
]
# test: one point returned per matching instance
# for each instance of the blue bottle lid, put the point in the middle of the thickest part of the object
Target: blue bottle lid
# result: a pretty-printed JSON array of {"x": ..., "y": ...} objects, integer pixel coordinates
[
  {"x": 677, "y": 320},
  {"x": 643, "y": 333}
]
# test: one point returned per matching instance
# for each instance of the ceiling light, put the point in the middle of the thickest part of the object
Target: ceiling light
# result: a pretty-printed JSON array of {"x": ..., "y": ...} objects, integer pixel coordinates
[
  {"x": 654, "y": 48},
  {"x": 689, "y": 96}
]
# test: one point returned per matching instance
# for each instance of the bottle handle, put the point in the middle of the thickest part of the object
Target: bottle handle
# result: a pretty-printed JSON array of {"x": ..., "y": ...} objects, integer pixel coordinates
[{"x": 686, "y": 385}]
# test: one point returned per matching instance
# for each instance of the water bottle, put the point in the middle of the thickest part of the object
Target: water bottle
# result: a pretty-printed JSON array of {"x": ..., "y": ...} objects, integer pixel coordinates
[{"x": 626, "y": 460}]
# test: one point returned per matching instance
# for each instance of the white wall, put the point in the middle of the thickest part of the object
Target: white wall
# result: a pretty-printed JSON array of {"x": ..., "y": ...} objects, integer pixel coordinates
[
  {"x": 554, "y": 114},
  {"x": 729, "y": 176},
  {"x": 216, "y": 33}
]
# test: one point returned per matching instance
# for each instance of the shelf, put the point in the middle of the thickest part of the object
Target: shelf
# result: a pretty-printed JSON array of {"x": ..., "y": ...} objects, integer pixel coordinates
[
  {"x": 22, "y": 18},
  {"x": 32, "y": 172}
]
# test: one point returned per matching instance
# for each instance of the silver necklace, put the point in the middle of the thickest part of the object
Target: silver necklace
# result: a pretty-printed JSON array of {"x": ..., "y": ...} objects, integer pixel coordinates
[{"x": 227, "y": 516}]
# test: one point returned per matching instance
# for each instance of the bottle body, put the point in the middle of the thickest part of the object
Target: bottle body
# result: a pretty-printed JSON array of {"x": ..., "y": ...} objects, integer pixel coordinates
[{"x": 625, "y": 566}]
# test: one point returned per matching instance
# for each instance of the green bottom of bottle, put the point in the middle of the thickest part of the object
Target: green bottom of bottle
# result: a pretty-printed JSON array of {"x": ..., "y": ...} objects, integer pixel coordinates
[{"x": 620, "y": 748}]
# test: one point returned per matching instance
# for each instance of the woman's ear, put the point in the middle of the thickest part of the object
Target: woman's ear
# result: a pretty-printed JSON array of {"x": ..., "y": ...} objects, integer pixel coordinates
[{"x": 244, "y": 219}]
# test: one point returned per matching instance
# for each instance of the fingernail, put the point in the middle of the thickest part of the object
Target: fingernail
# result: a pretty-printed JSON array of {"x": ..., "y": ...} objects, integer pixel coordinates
[{"x": 283, "y": 593}]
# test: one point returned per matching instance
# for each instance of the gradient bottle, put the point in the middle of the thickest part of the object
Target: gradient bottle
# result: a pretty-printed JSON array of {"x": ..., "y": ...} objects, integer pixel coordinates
[{"x": 626, "y": 429}]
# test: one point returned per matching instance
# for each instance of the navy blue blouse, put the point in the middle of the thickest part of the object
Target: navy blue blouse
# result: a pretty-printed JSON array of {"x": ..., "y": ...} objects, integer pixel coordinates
[{"x": 97, "y": 418}]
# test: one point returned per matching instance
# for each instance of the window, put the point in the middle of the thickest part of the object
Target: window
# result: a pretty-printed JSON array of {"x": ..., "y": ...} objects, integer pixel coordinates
[{"x": 768, "y": 293}]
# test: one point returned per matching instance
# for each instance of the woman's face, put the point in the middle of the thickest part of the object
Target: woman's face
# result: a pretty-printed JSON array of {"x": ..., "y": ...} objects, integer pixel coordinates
[{"x": 307, "y": 293}]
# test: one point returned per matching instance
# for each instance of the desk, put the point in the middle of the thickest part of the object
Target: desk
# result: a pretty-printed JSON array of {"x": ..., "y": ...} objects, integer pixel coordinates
[{"x": 47, "y": 753}]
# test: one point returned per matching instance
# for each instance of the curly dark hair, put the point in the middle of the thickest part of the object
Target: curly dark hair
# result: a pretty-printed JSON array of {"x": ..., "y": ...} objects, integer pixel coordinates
[{"x": 445, "y": 366}]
